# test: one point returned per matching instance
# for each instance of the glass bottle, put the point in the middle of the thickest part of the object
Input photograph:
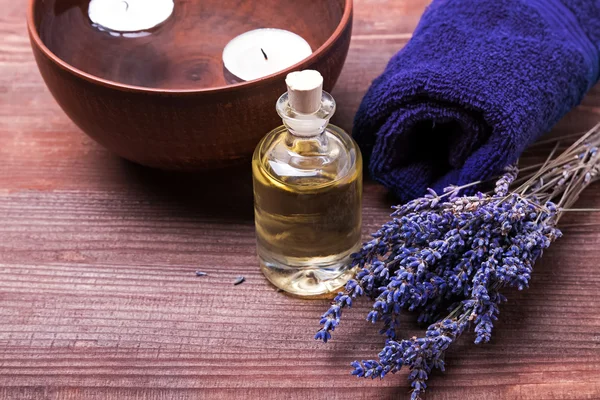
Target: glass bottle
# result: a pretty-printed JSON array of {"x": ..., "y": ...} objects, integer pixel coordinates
[{"x": 307, "y": 196}]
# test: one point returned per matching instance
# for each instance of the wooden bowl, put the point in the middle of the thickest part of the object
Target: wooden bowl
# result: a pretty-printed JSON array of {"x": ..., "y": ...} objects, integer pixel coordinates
[{"x": 196, "y": 121}]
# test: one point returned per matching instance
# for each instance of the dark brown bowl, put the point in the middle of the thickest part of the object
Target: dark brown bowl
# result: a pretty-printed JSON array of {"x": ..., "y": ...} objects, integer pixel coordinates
[{"x": 200, "y": 122}]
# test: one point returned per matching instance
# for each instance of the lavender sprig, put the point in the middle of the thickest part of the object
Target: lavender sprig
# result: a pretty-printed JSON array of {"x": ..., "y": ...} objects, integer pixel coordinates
[
  {"x": 420, "y": 355},
  {"x": 460, "y": 250}
]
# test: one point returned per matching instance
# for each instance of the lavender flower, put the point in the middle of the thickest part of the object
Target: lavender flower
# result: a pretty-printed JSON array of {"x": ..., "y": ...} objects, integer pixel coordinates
[
  {"x": 420, "y": 355},
  {"x": 455, "y": 251}
]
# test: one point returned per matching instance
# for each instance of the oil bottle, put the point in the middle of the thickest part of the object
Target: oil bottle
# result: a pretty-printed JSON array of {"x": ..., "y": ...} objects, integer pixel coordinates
[{"x": 307, "y": 193}]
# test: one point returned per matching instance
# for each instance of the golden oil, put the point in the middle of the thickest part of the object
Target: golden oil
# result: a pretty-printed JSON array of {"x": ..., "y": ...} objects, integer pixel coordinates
[{"x": 307, "y": 190}]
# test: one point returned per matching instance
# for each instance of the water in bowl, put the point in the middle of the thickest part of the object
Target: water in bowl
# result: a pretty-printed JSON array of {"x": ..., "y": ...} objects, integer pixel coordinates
[{"x": 182, "y": 52}]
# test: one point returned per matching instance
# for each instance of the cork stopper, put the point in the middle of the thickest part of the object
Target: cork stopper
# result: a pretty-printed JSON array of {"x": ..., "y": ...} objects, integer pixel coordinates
[{"x": 305, "y": 89}]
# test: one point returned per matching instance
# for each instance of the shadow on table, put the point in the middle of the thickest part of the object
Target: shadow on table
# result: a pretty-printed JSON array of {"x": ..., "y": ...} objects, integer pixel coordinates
[{"x": 220, "y": 194}]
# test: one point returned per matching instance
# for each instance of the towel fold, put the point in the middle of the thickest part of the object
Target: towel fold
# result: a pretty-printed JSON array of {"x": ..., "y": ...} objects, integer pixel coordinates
[{"x": 478, "y": 82}]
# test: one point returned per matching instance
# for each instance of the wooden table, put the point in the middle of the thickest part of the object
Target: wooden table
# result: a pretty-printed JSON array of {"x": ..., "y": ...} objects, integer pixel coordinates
[{"x": 99, "y": 300}]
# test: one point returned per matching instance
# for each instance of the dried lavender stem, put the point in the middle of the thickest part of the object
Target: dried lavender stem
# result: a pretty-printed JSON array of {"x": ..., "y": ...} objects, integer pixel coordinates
[
  {"x": 580, "y": 210},
  {"x": 464, "y": 250},
  {"x": 527, "y": 184},
  {"x": 557, "y": 139}
]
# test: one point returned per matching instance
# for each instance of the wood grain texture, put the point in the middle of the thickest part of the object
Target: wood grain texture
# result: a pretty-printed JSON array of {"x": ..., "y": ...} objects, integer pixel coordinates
[{"x": 98, "y": 297}]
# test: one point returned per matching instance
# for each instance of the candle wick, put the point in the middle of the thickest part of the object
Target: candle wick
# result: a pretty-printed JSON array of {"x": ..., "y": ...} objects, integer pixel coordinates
[
  {"x": 264, "y": 54},
  {"x": 126, "y": 5}
]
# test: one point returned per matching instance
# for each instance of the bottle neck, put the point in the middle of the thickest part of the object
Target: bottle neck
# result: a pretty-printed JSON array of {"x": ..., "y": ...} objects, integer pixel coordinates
[
  {"x": 302, "y": 125},
  {"x": 310, "y": 127}
]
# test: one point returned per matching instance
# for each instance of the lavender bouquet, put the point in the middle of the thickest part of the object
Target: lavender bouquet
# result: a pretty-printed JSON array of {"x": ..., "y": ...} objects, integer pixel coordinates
[{"x": 456, "y": 253}]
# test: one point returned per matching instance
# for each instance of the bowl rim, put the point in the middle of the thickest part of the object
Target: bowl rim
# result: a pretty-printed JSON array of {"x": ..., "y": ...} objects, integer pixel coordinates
[{"x": 34, "y": 35}]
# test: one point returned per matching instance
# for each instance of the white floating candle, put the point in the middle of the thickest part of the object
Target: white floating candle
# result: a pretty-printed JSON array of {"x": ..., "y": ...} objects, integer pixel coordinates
[
  {"x": 263, "y": 52},
  {"x": 129, "y": 15}
]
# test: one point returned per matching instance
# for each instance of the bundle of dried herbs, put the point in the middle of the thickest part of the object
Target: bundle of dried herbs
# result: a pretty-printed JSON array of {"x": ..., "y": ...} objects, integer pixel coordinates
[{"x": 455, "y": 254}]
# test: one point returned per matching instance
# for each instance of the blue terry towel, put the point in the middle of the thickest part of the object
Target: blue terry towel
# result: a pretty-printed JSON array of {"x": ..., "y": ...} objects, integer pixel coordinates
[{"x": 479, "y": 81}]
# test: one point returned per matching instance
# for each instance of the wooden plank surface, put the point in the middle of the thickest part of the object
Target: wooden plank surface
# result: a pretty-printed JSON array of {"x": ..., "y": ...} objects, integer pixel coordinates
[{"x": 98, "y": 298}]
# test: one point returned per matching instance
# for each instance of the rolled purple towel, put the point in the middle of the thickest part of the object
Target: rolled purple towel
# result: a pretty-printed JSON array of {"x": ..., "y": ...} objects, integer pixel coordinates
[{"x": 478, "y": 82}]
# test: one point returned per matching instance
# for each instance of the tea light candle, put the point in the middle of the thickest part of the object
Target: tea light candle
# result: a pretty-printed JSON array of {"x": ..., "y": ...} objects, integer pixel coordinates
[
  {"x": 263, "y": 52},
  {"x": 129, "y": 15}
]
